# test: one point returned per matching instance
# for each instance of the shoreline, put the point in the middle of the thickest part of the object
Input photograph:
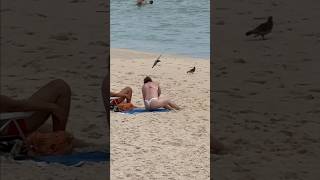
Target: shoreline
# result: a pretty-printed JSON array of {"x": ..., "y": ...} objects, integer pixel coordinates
[{"x": 167, "y": 54}]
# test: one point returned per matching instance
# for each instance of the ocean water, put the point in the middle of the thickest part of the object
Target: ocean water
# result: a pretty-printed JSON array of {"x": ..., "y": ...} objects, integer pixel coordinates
[{"x": 167, "y": 26}]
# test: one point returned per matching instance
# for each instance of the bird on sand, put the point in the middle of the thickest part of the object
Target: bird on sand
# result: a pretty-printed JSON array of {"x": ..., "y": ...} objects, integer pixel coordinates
[
  {"x": 156, "y": 61},
  {"x": 263, "y": 29},
  {"x": 192, "y": 70}
]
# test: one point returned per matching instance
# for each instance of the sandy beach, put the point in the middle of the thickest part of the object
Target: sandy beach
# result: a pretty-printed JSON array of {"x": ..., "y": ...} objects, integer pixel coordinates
[
  {"x": 38, "y": 45},
  {"x": 266, "y": 93},
  {"x": 161, "y": 145}
]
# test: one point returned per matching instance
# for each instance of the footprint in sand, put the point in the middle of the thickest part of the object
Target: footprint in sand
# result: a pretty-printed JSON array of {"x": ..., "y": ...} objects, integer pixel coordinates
[
  {"x": 54, "y": 56},
  {"x": 315, "y": 90},
  {"x": 14, "y": 27},
  {"x": 32, "y": 79},
  {"x": 253, "y": 93},
  {"x": 240, "y": 61},
  {"x": 18, "y": 44},
  {"x": 179, "y": 143},
  {"x": 41, "y": 15},
  {"x": 220, "y": 23},
  {"x": 77, "y": 1},
  {"x": 89, "y": 66},
  {"x": 41, "y": 48},
  {"x": 256, "y": 81},
  {"x": 29, "y": 51},
  {"x": 30, "y": 33},
  {"x": 63, "y": 37}
]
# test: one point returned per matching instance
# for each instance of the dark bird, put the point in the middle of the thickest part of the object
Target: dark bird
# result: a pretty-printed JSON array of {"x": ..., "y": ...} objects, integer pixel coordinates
[
  {"x": 262, "y": 29},
  {"x": 156, "y": 61},
  {"x": 192, "y": 70}
]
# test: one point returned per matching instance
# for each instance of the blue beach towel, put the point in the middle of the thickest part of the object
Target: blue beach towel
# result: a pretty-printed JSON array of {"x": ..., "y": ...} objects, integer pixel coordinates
[
  {"x": 75, "y": 159},
  {"x": 143, "y": 110}
]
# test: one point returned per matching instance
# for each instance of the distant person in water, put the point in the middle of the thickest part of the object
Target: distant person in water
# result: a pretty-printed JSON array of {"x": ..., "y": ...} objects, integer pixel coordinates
[
  {"x": 143, "y": 2},
  {"x": 151, "y": 96}
]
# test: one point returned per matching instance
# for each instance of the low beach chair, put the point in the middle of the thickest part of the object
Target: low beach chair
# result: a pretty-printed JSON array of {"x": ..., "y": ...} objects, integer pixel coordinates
[
  {"x": 114, "y": 101},
  {"x": 12, "y": 143},
  {"x": 7, "y": 118}
]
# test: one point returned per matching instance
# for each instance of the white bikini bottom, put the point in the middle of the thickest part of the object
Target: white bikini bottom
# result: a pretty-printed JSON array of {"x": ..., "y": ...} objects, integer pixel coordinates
[{"x": 147, "y": 103}]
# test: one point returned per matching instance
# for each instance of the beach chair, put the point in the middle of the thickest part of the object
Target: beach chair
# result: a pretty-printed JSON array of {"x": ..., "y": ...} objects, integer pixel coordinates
[
  {"x": 114, "y": 101},
  {"x": 12, "y": 143},
  {"x": 7, "y": 118}
]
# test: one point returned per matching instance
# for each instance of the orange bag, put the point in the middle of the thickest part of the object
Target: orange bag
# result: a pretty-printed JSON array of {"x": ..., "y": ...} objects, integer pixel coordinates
[{"x": 53, "y": 143}]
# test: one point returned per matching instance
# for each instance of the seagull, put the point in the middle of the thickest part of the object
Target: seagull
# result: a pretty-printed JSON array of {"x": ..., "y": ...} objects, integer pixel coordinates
[
  {"x": 262, "y": 29},
  {"x": 156, "y": 61},
  {"x": 192, "y": 70}
]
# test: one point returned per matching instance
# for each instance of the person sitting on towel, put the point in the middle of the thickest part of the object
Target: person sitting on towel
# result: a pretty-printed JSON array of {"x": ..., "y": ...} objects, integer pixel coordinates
[{"x": 151, "y": 96}]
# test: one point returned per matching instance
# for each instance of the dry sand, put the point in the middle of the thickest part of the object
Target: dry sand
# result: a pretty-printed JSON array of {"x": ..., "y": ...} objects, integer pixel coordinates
[
  {"x": 267, "y": 93},
  {"x": 166, "y": 145},
  {"x": 45, "y": 40}
]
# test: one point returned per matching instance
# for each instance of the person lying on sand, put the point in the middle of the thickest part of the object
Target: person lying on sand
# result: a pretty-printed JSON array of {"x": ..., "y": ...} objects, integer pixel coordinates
[
  {"x": 124, "y": 95},
  {"x": 151, "y": 96},
  {"x": 51, "y": 99}
]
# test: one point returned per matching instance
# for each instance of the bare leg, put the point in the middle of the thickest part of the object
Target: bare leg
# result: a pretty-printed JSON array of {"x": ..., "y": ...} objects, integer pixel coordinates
[
  {"x": 172, "y": 104},
  {"x": 128, "y": 91},
  {"x": 168, "y": 107},
  {"x": 163, "y": 102},
  {"x": 58, "y": 92}
]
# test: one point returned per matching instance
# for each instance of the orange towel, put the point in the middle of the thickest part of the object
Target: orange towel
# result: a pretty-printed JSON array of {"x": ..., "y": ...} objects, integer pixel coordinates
[
  {"x": 53, "y": 143},
  {"x": 125, "y": 106}
]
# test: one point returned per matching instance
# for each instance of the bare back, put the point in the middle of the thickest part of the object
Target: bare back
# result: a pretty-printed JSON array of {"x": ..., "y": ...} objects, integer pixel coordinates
[{"x": 150, "y": 90}]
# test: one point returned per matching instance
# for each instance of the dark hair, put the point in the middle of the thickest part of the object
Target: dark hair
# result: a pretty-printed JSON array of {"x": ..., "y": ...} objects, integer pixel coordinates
[{"x": 147, "y": 79}]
